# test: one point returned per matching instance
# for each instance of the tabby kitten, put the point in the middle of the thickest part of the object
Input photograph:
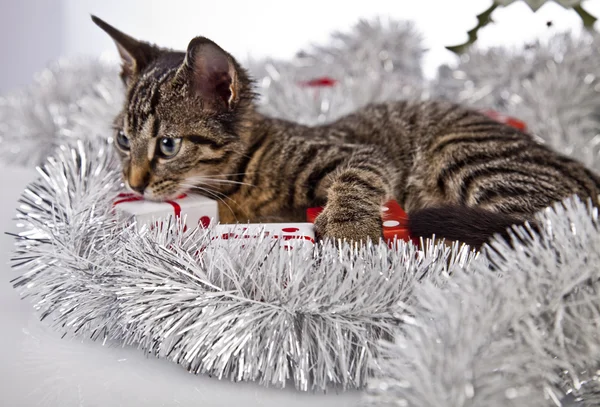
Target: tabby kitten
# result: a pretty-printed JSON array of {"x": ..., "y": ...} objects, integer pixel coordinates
[{"x": 189, "y": 123}]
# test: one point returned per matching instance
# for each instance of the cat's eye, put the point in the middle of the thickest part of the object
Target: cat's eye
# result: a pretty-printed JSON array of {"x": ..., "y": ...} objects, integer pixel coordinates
[
  {"x": 122, "y": 140},
  {"x": 169, "y": 146}
]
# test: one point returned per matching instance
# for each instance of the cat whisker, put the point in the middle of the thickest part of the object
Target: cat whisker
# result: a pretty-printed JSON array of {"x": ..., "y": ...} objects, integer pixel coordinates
[
  {"x": 218, "y": 195},
  {"x": 224, "y": 181},
  {"x": 200, "y": 177},
  {"x": 203, "y": 179},
  {"x": 211, "y": 190},
  {"x": 214, "y": 195},
  {"x": 232, "y": 174}
]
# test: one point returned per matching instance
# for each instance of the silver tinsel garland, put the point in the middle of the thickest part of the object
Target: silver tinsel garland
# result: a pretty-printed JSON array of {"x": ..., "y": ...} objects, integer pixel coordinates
[
  {"x": 425, "y": 328},
  {"x": 554, "y": 88},
  {"x": 258, "y": 313},
  {"x": 501, "y": 337},
  {"x": 389, "y": 69},
  {"x": 70, "y": 100}
]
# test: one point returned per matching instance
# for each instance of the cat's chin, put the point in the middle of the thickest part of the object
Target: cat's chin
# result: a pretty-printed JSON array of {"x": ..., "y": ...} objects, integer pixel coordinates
[
  {"x": 164, "y": 198},
  {"x": 160, "y": 198}
]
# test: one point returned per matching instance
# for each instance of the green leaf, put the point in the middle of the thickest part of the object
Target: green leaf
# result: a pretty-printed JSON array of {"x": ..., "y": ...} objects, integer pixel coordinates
[
  {"x": 587, "y": 18},
  {"x": 483, "y": 19}
]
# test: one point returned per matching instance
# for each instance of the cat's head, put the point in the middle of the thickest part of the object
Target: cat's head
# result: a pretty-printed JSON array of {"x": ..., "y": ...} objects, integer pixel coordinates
[{"x": 186, "y": 117}]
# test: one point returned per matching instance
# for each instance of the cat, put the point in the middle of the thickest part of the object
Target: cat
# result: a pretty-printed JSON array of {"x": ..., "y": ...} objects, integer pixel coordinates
[{"x": 189, "y": 123}]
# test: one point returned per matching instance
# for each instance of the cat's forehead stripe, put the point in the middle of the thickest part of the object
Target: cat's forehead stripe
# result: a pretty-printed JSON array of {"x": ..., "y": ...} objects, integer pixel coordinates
[
  {"x": 147, "y": 129},
  {"x": 155, "y": 92},
  {"x": 141, "y": 104},
  {"x": 146, "y": 95},
  {"x": 136, "y": 98},
  {"x": 155, "y": 126},
  {"x": 139, "y": 97}
]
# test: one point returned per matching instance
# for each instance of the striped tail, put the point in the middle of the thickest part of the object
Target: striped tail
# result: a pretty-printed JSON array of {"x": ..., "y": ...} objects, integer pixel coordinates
[{"x": 472, "y": 226}]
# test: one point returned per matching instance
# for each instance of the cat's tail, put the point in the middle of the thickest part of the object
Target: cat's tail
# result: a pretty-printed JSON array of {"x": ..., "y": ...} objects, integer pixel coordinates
[{"x": 473, "y": 226}]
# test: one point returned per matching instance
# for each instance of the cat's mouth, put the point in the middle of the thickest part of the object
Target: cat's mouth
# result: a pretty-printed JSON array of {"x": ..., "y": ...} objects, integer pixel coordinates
[{"x": 150, "y": 195}]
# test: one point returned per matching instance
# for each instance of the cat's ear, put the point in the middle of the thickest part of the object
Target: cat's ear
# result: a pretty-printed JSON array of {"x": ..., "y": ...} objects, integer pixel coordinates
[
  {"x": 212, "y": 74},
  {"x": 135, "y": 55}
]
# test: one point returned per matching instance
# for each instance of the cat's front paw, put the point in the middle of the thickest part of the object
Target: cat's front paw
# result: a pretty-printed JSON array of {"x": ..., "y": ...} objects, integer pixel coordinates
[{"x": 337, "y": 224}]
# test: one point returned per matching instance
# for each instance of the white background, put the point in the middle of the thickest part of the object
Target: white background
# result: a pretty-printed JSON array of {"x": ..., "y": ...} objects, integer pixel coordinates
[
  {"x": 38, "y": 368},
  {"x": 34, "y": 31}
]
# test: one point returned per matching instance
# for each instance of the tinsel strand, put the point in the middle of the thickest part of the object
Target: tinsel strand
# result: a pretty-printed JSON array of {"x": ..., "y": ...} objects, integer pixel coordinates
[
  {"x": 504, "y": 336},
  {"x": 238, "y": 310}
]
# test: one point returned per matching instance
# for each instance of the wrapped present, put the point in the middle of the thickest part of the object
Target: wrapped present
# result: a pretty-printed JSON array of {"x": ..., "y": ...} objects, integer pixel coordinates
[
  {"x": 192, "y": 210},
  {"x": 394, "y": 221},
  {"x": 197, "y": 210},
  {"x": 290, "y": 235}
]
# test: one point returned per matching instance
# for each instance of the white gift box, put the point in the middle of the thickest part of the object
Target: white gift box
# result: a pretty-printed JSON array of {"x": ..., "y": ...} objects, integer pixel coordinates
[
  {"x": 197, "y": 210},
  {"x": 289, "y": 235},
  {"x": 193, "y": 210}
]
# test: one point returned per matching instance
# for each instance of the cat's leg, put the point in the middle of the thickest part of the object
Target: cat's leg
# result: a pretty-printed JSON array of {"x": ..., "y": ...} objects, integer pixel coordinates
[{"x": 355, "y": 192}]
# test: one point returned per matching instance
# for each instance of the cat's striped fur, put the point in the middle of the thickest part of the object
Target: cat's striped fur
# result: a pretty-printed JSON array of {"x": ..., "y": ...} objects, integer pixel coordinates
[{"x": 434, "y": 158}]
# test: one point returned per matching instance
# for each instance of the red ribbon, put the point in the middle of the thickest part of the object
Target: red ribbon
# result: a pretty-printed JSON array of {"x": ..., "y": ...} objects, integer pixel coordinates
[
  {"x": 127, "y": 197},
  {"x": 394, "y": 212}
]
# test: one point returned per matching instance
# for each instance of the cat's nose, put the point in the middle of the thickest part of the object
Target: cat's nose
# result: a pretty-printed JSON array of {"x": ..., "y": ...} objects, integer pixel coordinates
[
  {"x": 138, "y": 188},
  {"x": 138, "y": 180}
]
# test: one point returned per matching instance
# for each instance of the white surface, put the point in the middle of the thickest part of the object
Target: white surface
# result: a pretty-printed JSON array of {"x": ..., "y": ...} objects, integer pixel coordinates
[
  {"x": 34, "y": 31},
  {"x": 26, "y": 26},
  {"x": 279, "y": 28},
  {"x": 39, "y": 368}
]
